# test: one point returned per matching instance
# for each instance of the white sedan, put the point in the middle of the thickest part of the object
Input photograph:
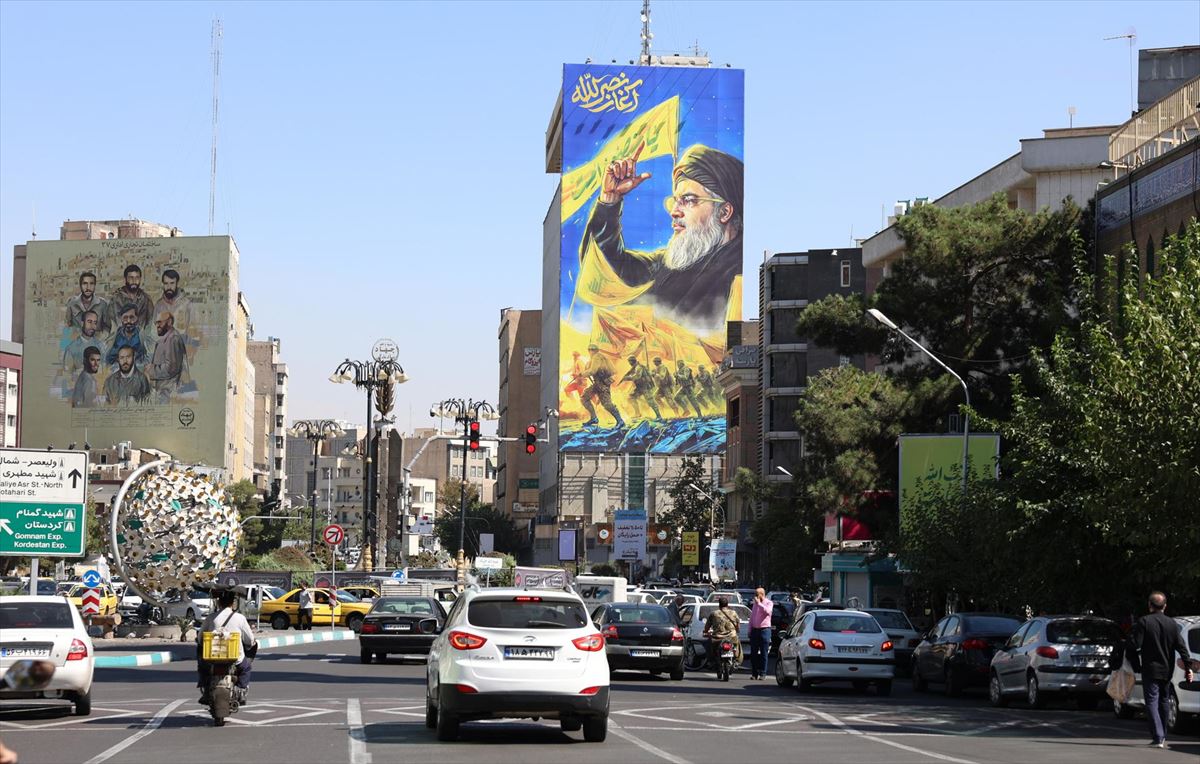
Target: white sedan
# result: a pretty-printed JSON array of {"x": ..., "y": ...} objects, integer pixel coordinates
[
  {"x": 48, "y": 628},
  {"x": 836, "y": 645}
]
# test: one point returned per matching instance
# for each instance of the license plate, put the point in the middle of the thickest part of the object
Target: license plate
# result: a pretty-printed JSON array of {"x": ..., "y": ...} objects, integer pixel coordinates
[
  {"x": 1087, "y": 660},
  {"x": 397, "y": 627},
  {"x": 644, "y": 653},
  {"x": 24, "y": 652},
  {"x": 529, "y": 653},
  {"x": 854, "y": 649}
]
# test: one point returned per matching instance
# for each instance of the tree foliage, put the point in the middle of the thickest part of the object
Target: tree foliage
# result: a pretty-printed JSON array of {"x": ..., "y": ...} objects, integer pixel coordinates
[
  {"x": 449, "y": 495},
  {"x": 481, "y": 518},
  {"x": 690, "y": 510}
]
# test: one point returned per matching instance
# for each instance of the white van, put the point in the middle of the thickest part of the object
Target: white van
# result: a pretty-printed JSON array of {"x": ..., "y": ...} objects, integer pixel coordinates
[{"x": 600, "y": 590}]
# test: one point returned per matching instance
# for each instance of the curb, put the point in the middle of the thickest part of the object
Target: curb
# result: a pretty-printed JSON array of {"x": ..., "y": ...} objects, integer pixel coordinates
[{"x": 151, "y": 659}]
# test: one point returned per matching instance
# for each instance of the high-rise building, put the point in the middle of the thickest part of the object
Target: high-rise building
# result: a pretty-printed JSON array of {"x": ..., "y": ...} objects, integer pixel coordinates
[
  {"x": 10, "y": 394},
  {"x": 518, "y": 408},
  {"x": 133, "y": 332},
  {"x": 270, "y": 415}
]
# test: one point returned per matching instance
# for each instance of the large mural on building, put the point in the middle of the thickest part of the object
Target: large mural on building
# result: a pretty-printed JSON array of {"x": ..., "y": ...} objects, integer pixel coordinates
[
  {"x": 651, "y": 258},
  {"x": 125, "y": 339}
]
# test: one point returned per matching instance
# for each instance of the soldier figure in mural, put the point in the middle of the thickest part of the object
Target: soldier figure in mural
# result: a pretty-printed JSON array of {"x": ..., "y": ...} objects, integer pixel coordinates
[
  {"x": 73, "y": 356},
  {"x": 601, "y": 372},
  {"x": 133, "y": 294},
  {"x": 127, "y": 384},
  {"x": 643, "y": 387},
  {"x": 578, "y": 381},
  {"x": 166, "y": 365},
  {"x": 86, "y": 301},
  {"x": 707, "y": 387},
  {"x": 84, "y": 395},
  {"x": 687, "y": 388},
  {"x": 129, "y": 335},
  {"x": 666, "y": 385}
]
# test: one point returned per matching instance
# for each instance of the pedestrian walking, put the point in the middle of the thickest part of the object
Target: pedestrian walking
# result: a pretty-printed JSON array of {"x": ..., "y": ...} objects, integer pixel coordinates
[
  {"x": 1153, "y": 645},
  {"x": 306, "y": 610},
  {"x": 760, "y": 633}
]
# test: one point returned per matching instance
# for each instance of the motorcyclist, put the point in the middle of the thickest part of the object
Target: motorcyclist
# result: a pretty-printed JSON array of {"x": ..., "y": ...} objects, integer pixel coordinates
[
  {"x": 225, "y": 617},
  {"x": 723, "y": 624}
]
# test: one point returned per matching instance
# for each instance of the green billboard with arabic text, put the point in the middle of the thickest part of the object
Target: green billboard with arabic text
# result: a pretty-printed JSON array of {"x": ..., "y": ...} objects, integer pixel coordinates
[{"x": 939, "y": 457}]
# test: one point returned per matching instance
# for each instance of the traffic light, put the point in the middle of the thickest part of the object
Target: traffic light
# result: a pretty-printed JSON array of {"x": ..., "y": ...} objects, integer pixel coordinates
[
  {"x": 473, "y": 435},
  {"x": 531, "y": 439}
]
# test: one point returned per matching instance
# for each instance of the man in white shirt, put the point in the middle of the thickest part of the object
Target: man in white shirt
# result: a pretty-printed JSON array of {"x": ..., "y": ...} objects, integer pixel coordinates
[{"x": 225, "y": 617}]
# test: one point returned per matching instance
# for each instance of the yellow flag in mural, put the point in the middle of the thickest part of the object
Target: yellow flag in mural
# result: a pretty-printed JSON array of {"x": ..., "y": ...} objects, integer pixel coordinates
[{"x": 657, "y": 129}]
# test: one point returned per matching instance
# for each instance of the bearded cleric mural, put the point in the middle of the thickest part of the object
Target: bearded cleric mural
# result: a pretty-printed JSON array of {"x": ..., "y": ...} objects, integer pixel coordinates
[{"x": 651, "y": 255}]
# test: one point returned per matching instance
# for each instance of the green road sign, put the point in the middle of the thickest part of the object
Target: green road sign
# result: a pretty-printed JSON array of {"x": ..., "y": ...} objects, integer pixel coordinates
[{"x": 43, "y": 506}]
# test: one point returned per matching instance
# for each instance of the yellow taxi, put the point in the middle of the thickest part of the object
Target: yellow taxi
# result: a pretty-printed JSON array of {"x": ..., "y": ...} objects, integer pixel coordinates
[
  {"x": 108, "y": 598},
  {"x": 283, "y": 612},
  {"x": 362, "y": 591}
]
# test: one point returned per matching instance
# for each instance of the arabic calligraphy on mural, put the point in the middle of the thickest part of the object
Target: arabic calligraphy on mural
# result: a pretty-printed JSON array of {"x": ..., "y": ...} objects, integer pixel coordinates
[{"x": 599, "y": 94}]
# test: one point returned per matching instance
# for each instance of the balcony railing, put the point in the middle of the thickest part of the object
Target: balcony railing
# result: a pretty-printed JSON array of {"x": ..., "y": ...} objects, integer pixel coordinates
[{"x": 1169, "y": 123}]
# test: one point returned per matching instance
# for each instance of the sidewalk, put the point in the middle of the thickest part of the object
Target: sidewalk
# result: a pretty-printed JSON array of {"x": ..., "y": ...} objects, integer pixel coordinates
[{"x": 131, "y": 653}]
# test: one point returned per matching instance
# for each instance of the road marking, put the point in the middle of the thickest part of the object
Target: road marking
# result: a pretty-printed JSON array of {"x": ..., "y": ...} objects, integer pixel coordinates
[
  {"x": 656, "y": 751},
  {"x": 358, "y": 735},
  {"x": 151, "y": 725},
  {"x": 911, "y": 749}
]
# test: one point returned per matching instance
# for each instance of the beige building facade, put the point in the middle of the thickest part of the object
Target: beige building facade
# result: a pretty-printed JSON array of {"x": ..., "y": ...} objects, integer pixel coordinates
[{"x": 270, "y": 415}]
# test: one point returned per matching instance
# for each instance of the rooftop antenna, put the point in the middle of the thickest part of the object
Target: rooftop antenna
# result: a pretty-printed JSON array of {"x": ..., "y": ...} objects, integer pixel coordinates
[
  {"x": 1131, "y": 35},
  {"x": 1071, "y": 115},
  {"x": 647, "y": 35},
  {"x": 212, "y": 174},
  {"x": 35, "y": 220}
]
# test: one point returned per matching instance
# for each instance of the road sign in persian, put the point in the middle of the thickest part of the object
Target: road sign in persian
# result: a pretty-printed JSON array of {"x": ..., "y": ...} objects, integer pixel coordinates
[{"x": 42, "y": 502}]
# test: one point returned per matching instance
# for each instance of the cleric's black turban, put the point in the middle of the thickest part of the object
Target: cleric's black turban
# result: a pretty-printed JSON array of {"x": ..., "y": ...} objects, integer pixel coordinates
[{"x": 717, "y": 171}]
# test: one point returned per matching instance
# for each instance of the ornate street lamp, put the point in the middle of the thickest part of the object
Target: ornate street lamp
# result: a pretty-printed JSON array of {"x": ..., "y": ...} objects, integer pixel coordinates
[{"x": 315, "y": 430}]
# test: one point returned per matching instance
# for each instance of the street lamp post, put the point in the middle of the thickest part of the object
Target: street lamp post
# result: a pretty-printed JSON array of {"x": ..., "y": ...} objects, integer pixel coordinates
[
  {"x": 466, "y": 412},
  {"x": 878, "y": 316},
  {"x": 315, "y": 430},
  {"x": 374, "y": 376}
]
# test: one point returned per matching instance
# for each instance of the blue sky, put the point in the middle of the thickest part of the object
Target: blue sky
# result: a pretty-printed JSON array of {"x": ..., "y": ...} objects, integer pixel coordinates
[{"x": 380, "y": 165}]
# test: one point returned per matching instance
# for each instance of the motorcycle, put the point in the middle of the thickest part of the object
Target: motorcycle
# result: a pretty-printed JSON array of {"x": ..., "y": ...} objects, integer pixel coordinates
[
  {"x": 225, "y": 698},
  {"x": 727, "y": 655}
]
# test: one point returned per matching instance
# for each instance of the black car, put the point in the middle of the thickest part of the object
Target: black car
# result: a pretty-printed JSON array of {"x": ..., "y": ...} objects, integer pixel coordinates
[
  {"x": 957, "y": 651},
  {"x": 405, "y": 625},
  {"x": 781, "y": 620},
  {"x": 641, "y": 637}
]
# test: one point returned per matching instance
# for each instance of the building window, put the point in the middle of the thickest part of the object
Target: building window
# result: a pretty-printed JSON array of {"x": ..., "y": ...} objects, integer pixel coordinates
[
  {"x": 279, "y": 420},
  {"x": 845, "y": 273},
  {"x": 843, "y": 360},
  {"x": 343, "y": 472},
  {"x": 429, "y": 497},
  {"x": 279, "y": 378},
  {"x": 278, "y": 400},
  {"x": 733, "y": 412},
  {"x": 783, "y": 326},
  {"x": 278, "y": 441}
]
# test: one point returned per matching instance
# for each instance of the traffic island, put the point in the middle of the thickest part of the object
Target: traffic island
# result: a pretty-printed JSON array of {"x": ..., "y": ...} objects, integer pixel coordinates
[{"x": 186, "y": 651}]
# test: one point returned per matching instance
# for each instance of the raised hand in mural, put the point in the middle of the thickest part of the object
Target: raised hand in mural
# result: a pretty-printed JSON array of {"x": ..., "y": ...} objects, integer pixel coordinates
[{"x": 621, "y": 177}]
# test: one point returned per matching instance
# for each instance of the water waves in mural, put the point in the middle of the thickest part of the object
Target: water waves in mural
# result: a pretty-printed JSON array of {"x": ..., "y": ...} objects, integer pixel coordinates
[{"x": 651, "y": 254}]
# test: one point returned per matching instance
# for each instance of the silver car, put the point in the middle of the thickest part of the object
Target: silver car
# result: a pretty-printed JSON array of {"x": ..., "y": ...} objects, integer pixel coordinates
[{"x": 1055, "y": 655}]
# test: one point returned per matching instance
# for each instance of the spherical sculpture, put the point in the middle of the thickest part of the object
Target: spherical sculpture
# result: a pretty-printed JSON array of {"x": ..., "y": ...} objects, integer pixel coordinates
[{"x": 176, "y": 530}]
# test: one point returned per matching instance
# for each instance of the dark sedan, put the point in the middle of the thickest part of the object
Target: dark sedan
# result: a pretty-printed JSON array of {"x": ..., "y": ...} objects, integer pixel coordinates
[
  {"x": 957, "y": 651},
  {"x": 641, "y": 637},
  {"x": 404, "y": 625},
  {"x": 781, "y": 621}
]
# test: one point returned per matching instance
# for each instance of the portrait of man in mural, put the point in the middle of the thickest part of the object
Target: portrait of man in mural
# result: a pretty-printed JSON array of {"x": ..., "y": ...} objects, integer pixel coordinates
[
  {"x": 133, "y": 294},
  {"x": 129, "y": 335},
  {"x": 174, "y": 301},
  {"x": 167, "y": 362},
  {"x": 87, "y": 300},
  {"x": 127, "y": 384},
  {"x": 84, "y": 395},
  {"x": 73, "y": 356},
  {"x": 691, "y": 278}
]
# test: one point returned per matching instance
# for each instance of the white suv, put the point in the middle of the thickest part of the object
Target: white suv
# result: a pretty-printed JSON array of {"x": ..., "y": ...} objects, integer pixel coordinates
[{"x": 517, "y": 653}]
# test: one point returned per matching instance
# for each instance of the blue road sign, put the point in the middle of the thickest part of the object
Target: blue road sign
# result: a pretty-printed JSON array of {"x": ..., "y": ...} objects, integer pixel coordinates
[
  {"x": 399, "y": 575},
  {"x": 91, "y": 579}
]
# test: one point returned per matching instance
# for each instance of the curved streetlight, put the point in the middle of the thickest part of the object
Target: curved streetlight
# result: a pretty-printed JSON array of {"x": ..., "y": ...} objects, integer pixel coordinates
[
  {"x": 315, "y": 430},
  {"x": 465, "y": 411},
  {"x": 371, "y": 376},
  {"x": 878, "y": 316}
]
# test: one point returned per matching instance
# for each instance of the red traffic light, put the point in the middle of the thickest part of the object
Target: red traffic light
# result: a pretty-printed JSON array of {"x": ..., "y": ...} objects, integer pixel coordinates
[
  {"x": 531, "y": 439},
  {"x": 473, "y": 436}
]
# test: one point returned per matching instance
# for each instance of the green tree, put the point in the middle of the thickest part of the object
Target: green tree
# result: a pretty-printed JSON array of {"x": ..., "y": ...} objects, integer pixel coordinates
[
  {"x": 481, "y": 518},
  {"x": 690, "y": 510},
  {"x": 449, "y": 495},
  {"x": 1104, "y": 440}
]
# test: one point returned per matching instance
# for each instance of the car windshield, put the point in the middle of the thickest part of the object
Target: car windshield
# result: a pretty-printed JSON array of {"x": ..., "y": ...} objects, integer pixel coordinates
[
  {"x": 1194, "y": 640},
  {"x": 741, "y": 611},
  {"x": 46, "y": 588},
  {"x": 35, "y": 615},
  {"x": 403, "y": 606},
  {"x": 846, "y": 624},
  {"x": 526, "y": 612},
  {"x": 892, "y": 619},
  {"x": 196, "y": 594},
  {"x": 991, "y": 624},
  {"x": 639, "y": 615},
  {"x": 274, "y": 591},
  {"x": 1082, "y": 631},
  {"x": 780, "y": 597},
  {"x": 345, "y": 596}
]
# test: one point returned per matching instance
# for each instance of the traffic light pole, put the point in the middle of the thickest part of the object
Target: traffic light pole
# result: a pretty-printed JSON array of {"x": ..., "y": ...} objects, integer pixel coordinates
[{"x": 462, "y": 499}]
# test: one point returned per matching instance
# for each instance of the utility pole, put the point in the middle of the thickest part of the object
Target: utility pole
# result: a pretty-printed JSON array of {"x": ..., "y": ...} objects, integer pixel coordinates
[
  {"x": 647, "y": 35},
  {"x": 212, "y": 174}
]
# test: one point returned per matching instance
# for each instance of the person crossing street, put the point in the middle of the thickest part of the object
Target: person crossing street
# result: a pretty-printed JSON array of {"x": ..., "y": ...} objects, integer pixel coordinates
[
  {"x": 1153, "y": 645},
  {"x": 760, "y": 633}
]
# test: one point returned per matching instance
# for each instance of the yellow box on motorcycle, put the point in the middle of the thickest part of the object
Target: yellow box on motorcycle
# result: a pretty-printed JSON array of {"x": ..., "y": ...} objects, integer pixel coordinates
[{"x": 217, "y": 646}]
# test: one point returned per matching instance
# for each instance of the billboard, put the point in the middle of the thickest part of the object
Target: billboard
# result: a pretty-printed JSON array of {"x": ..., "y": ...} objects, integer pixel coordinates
[
  {"x": 651, "y": 255},
  {"x": 126, "y": 339},
  {"x": 939, "y": 457}
]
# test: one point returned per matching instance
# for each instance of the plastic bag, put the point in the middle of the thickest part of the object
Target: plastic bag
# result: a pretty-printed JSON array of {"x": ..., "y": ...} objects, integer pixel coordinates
[{"x": 1121, "y": 682}]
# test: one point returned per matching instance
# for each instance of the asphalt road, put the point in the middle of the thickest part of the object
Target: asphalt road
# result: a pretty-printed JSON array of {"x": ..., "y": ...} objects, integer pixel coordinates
[{"x": 317, "y": 703}]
